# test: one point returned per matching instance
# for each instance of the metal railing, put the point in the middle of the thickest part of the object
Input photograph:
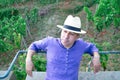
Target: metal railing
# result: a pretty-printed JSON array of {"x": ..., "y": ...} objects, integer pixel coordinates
[
  {"x": 109, "y": 52},
  {"x": 24, "y": 51},
  {"x": 11, "y": 65}
]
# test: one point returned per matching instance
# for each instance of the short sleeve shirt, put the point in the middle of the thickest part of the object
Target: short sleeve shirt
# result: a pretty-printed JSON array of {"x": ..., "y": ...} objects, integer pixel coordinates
[{"x": 62, "y": 63}]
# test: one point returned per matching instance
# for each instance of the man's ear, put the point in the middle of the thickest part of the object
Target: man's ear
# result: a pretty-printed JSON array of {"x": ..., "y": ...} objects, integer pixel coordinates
[{"x": 78, "y": 35}]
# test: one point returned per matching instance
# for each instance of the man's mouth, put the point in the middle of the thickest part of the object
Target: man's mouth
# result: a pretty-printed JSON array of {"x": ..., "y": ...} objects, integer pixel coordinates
[{"x": 65, "y": 40}]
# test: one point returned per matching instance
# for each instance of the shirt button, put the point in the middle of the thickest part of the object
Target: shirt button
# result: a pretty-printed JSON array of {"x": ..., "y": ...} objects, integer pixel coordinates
[
  {"x": 66, "y": 59},
  {"x": 67, "y": 55}
]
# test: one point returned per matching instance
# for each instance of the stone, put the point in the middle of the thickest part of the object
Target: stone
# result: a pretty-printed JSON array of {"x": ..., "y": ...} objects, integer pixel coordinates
[{"x": 107, "y": 75}]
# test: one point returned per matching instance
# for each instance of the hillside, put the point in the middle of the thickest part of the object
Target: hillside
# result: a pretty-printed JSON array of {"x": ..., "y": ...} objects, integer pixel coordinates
[{"x": 49, "y": 15}]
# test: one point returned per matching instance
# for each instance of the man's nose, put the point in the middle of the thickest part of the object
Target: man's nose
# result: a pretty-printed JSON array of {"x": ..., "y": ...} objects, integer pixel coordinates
[{"x": 67, "y": 35}]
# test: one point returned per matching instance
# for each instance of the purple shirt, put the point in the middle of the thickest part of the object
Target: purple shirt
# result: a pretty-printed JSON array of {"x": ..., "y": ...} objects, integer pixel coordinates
[{"x": 62, "y": 63}]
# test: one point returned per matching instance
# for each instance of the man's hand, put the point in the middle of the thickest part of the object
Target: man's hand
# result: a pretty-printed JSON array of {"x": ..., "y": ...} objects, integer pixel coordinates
[
  {"x": 96, "y": 65},
  {"x": 96, "y": 62}
]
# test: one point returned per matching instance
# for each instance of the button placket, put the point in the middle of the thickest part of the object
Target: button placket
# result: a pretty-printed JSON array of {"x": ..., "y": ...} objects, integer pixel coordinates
[{"x": 66, "y": 65}]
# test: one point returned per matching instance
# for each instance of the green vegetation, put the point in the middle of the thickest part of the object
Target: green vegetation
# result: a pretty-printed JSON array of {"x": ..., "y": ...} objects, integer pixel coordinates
[
  {"x": 19, "y": 69},
  {"x": 106, "y": 14},
  {"x": 32, "y": 15},
  {"x": 7, "y": 3},
  {"x": 12, "y": 28}
]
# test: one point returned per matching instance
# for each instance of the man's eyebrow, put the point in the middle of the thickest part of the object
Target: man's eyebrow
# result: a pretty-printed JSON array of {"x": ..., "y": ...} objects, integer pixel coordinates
[{"x": 72, "y": 32}]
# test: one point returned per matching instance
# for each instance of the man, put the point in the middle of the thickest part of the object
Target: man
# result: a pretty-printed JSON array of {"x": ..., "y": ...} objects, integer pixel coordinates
[{"x": 65, "y": 53}]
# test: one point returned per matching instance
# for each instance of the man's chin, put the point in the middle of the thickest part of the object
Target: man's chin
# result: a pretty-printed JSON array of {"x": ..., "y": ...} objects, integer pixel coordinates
[{"x": 64, "y": 41}]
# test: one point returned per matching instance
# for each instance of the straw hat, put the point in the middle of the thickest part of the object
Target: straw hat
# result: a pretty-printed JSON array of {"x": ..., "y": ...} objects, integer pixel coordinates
[{"x": 72, "y": 24}]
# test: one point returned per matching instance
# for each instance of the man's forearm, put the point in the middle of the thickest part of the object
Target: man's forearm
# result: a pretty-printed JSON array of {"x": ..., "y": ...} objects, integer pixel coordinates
[
  {"x": 30, "y": 53},
  {"x": 29, "y": 63},
  {"x": 96, "y": 55}
]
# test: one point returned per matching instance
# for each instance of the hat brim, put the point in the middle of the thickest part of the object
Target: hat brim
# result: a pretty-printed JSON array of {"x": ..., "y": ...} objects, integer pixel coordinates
[{"x": 79, "y": 32}]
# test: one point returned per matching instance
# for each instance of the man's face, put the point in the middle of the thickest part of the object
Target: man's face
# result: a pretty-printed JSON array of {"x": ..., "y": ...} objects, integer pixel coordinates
[{"x": 68, "y": 38}]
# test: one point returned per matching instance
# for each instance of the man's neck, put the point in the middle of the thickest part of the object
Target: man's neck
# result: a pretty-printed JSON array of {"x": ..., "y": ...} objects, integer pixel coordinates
[{"x": 68, "y": 46}]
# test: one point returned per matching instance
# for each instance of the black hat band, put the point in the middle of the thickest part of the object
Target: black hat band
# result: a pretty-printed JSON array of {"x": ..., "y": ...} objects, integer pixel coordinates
[{"x": 72, "y": 28}]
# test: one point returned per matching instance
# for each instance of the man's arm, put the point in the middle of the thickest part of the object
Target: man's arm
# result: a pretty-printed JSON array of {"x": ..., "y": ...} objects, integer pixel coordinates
[
  {"x": 96, "y": 62},
  {"x": 29, "y": 63}
]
